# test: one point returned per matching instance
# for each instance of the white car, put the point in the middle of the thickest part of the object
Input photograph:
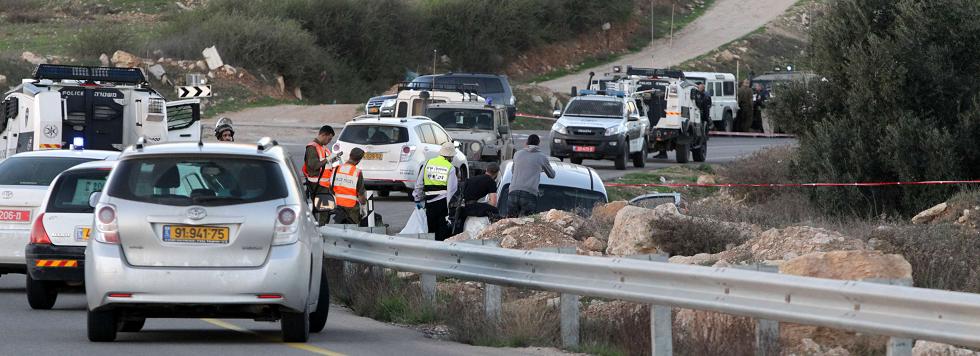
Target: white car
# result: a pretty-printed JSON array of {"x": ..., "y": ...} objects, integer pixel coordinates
[
  {"x": 395, "y": 150},
  {"x": 56, "y": 254},
  {"x": 575, "y": 188},
  {"x": 24, "y": 180}
]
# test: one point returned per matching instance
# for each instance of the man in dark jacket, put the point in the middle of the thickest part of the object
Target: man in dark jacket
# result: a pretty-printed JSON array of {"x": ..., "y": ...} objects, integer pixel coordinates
[
  {"x": 528, "y": 165},
  {"x": 759, "y": 97},
  {"x": 744, "y": 119},
  {"x": 704, "y": 105}
]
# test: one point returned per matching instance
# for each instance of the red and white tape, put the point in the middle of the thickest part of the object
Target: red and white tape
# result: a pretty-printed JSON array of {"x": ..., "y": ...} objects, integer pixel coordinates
[{"x": 793, "y": 185}]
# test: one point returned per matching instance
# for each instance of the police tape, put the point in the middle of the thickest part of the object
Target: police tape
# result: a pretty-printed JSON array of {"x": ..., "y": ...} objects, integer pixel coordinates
[{"x": 792, "y": 185}]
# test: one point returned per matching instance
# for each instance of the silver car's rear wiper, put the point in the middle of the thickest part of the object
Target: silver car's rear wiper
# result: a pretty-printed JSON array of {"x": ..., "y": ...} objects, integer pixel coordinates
[{"x": 209, "y": 199}]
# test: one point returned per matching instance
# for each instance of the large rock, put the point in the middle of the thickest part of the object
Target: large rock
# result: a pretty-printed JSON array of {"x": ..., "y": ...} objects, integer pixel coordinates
[
  {"x": 529, "y": 233},
  {"x": 32, "y": 58},
  {"x": 849, "y": 265},
  {"x": 776, "y": 245},
  {"x": 104, "y": 60},
  {"x": 569, "y": 223},
  {"x": 3, "y": 80},
  {"x": 212, "y": 58},
  {"x": 125, "y": 59},
  {"x": 158, "y": 71},
  {"x": 634, "y": 227},
  {"x": 594, "y": 244},
  {"x": 929, "y": 348},
  {"x": 930, "y": 214},
  {"x": 607, "y": 213}
]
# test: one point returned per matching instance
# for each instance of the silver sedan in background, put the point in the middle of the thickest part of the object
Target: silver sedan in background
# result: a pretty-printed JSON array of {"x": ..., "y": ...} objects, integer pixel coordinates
[{"x": 204, "y": 230}]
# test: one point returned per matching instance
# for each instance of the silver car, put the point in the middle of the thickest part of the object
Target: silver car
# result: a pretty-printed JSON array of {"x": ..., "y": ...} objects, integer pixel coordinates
[{"x": 193, "y": 230}]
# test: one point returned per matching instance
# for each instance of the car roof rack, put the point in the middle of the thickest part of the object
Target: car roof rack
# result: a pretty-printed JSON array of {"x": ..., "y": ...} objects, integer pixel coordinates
[
  {"x": 266, "y": 143},
  {"x": 654, "y": 72},
  {"x": 86, "y": 73},
  {"x": 461, "y": 88}
]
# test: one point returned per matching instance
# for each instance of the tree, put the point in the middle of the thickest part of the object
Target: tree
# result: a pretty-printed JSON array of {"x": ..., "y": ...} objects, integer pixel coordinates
[{"x": 900, "y": 102}]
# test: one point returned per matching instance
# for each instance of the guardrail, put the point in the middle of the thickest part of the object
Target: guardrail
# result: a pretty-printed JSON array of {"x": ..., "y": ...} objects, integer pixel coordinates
[{"x": 889, "y": 310}]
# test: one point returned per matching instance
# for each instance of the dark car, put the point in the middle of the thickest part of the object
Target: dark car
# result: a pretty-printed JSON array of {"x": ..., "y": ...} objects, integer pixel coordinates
[{"x": 491, "y": 86}]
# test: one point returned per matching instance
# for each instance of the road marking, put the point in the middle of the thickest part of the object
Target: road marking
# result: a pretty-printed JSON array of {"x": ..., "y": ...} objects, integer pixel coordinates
[{"x": 295, "y": 345}]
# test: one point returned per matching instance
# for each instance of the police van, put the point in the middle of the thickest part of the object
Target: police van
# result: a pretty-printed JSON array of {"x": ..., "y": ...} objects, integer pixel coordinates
[
  {"x": 98, "y": 108},
  {"x": 604, "y": 124},
  {"x": 724, "y": 104}
]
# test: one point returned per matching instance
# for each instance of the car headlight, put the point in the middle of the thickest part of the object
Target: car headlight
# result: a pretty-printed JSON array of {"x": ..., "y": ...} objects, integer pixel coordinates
[
  {"x": 559, "y": 128},
  {"x": 475, "y": 147},
  {"x": 615, "y": 130}
]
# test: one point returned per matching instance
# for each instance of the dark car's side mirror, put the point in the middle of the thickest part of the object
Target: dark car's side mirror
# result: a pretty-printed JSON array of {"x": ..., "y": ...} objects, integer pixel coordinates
[
  {"x": 556, "y": 114},
  {"x": 93, "y": 199}
]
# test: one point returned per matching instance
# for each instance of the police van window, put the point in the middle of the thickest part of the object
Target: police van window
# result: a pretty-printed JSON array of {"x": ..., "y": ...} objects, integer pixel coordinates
[
  {"x": 729, "y": 88},
  {"x": 71, "y": 193},
  {"x": 374, "y": 134},
  {"x": 104, "y": 113},
  {"x": 426, "y": 134},
  {"x": 402, "y": 109}
]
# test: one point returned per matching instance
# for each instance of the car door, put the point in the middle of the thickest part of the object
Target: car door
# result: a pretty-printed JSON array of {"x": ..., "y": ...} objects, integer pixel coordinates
[
  {"x": 634, "y": 129},
  {"x": 184, "y": 121}
]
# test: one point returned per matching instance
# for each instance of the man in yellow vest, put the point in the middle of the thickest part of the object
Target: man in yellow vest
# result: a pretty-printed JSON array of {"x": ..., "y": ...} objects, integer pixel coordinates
[
  {"x": 434, "y": 187},
  {"x": 348, "y": 189},
  {"x": 314, "y": 162}
]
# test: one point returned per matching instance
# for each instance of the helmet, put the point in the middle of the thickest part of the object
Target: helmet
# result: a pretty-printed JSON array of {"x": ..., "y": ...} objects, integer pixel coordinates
[{"x": 223, "y": 124}]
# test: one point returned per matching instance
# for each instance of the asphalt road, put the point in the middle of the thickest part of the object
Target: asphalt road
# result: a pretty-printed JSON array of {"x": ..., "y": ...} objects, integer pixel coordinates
[
  {"x": 62, "y": 331},
  {"x": 398, "y": 207}
]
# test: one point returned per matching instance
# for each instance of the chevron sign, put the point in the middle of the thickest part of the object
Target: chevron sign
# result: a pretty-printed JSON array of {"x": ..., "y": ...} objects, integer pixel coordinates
[{"x": 194, "y": 91}]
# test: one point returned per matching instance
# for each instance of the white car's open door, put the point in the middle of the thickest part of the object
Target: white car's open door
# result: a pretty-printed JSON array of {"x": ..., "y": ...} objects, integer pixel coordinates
[{"x": 184, "y": 121}]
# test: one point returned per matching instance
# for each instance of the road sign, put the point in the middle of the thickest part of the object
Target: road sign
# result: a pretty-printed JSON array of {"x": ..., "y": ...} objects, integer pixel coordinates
[{"x": 194, "y": 91}]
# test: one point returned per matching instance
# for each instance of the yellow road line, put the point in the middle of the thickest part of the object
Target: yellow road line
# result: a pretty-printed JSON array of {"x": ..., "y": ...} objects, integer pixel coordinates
[{"x": 295, "y": 345}]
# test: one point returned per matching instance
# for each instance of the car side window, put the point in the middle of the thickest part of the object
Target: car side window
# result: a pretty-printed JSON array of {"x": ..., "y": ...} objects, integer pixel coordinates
[
  {"x": 441, "y": 135},
  {"x": 426, "y": 134},
  {"x": 729, "y": 88}
]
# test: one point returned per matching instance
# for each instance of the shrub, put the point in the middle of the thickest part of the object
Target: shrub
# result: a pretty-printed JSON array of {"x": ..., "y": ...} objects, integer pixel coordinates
[
  {"x": 23, "y": 11},
  {"x": 522, "y": 324},
  {"x": 690, "y": 237},
  {"x": 772, "y": 165},
  {"x": 94, "y": 41},
  {"x": 942, "y": 256},
  {"x": 892, "y": 107}
]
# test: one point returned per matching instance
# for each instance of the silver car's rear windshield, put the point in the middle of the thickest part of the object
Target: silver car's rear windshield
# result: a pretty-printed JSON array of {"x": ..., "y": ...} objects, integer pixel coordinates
[
  {"x": 374, "y": 134},
  {"x": 35, "y": 170},
  {"x": 197, "y": 180}
]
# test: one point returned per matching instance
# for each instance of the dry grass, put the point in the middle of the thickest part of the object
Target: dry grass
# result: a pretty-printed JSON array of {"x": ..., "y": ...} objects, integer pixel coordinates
[
  {"x": 24, "y": 11},
  {"x": 523, "y": 323},
  {"x": 688, "y": 237},
  {"x": 773, "y": 165},
  {"x": 942, "y": 256},
  {"x": 706, "y": 333}
]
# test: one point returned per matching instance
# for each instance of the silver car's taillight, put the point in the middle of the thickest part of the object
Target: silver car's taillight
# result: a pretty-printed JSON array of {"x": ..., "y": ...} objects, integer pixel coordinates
[
  {"x": 287, "y": 222},
  {"x": 107, "y": 224}
]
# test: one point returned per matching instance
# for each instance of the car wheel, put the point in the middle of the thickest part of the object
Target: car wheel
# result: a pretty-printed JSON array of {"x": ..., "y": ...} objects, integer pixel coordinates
[
  {"x": 577, "y": 160},
  {"x": 621, "y": 159},
  {"x": 701, "y": 154},
  {"x": 132, "y": 326},
  {"x": 318, "y": 319},
  {"x": 295, "y": 326},
  {"x": 683, "y": 152},
  {"x": 640, "y": 158},
  {"x": 728, "y": 122},
  {"x": 102, "y": 326},
  {"x": 41, "y": 295}
]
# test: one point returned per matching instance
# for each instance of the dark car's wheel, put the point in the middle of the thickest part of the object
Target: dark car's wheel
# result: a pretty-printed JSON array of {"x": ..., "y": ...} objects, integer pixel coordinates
[
  {"x": 41, "y": 294},
  {"x": 295, "y": 326},
  {"x": 132, "y": 326},
  {"x": 683, "y": 152},
  {"x": 640, "y": 158},
  {"x": 384, "y": 193},
  {"x": 701, "y": 153},
  {"x": 102, "y": 325},
  {"x": 621, "y": 159},
  {"x": 577, "y": 160},
  {"x": 318, "y": 318}
]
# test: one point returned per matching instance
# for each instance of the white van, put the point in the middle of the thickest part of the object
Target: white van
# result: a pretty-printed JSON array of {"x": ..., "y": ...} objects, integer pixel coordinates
[{"x": 722, "y": 87}]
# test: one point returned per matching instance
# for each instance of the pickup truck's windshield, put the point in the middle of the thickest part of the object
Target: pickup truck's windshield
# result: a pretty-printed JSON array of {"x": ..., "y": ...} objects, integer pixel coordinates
[
  {"x": 467, "y": 119},
  {"x": 597, "y": 108}
]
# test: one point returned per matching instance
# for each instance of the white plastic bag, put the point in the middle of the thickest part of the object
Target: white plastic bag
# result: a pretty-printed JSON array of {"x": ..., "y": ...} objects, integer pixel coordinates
[{"x": 417, "y": 223}]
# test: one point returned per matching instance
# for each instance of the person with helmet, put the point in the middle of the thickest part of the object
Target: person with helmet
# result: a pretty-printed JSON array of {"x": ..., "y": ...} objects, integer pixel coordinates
[
  {"x": 316, "y": 158},
  {"x": 223, "y": 130},
  {"x": 435, "y": 185},
  {"x": 348, "y": 189}
]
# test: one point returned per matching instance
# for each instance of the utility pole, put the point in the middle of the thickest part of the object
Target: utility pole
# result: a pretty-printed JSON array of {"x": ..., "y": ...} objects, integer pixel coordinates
[
  {"x": 672, "y": 6},
  {"x": 435, "y": 53}
]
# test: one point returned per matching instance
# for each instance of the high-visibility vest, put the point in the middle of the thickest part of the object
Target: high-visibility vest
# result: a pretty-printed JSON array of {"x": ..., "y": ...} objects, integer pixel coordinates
[
  {"x": 321, "y": 153},
  {"x": 345, "y": 185},
  {"x": 436, "y": 176}
]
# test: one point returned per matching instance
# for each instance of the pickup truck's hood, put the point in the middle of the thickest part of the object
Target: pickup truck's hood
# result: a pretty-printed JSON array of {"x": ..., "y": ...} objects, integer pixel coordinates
[
  {"x": 580, "y": 121},
  {"x": 470, "y": 135}
]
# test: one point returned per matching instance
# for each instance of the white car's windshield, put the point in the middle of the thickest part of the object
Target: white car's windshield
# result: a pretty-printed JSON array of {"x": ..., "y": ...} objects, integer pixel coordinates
[{"x": 595, "y": 108}]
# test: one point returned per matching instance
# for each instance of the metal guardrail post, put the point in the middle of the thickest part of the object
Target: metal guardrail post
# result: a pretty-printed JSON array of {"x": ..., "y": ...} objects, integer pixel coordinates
[
  {"x": 897, "y": 346},
  {"x": 568, "y": 309},
  {"x": 766, "y": 331},
  {"x": 492, "y": 294},
  {"x": 661, "y": 328},
  {"x": 426, "y": 281}
]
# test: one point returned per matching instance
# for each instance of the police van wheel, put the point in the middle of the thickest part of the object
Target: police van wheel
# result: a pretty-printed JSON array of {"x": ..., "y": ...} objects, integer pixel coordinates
[
  {"x": 728, "y": 122},
  {"x": 701, "y": 153},
  {"x": 576, "y": 160},
  {"x": 640, "y": 158},
  {"x": 683, "y": 153},
  {"x": 621, "y": 159}
]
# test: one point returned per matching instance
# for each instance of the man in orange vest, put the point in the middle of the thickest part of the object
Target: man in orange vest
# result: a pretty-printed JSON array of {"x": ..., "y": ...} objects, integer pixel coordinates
[
  {"x": 317, "y": 152},
  {"x": 348, "y": 189}
]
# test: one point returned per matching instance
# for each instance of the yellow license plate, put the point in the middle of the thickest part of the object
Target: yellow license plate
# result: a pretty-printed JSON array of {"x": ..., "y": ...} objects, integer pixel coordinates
[
  {"x": 195, "y": 234},
  {"x": 374, "y": 156},
  {"x": 82, "y": 233}
]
